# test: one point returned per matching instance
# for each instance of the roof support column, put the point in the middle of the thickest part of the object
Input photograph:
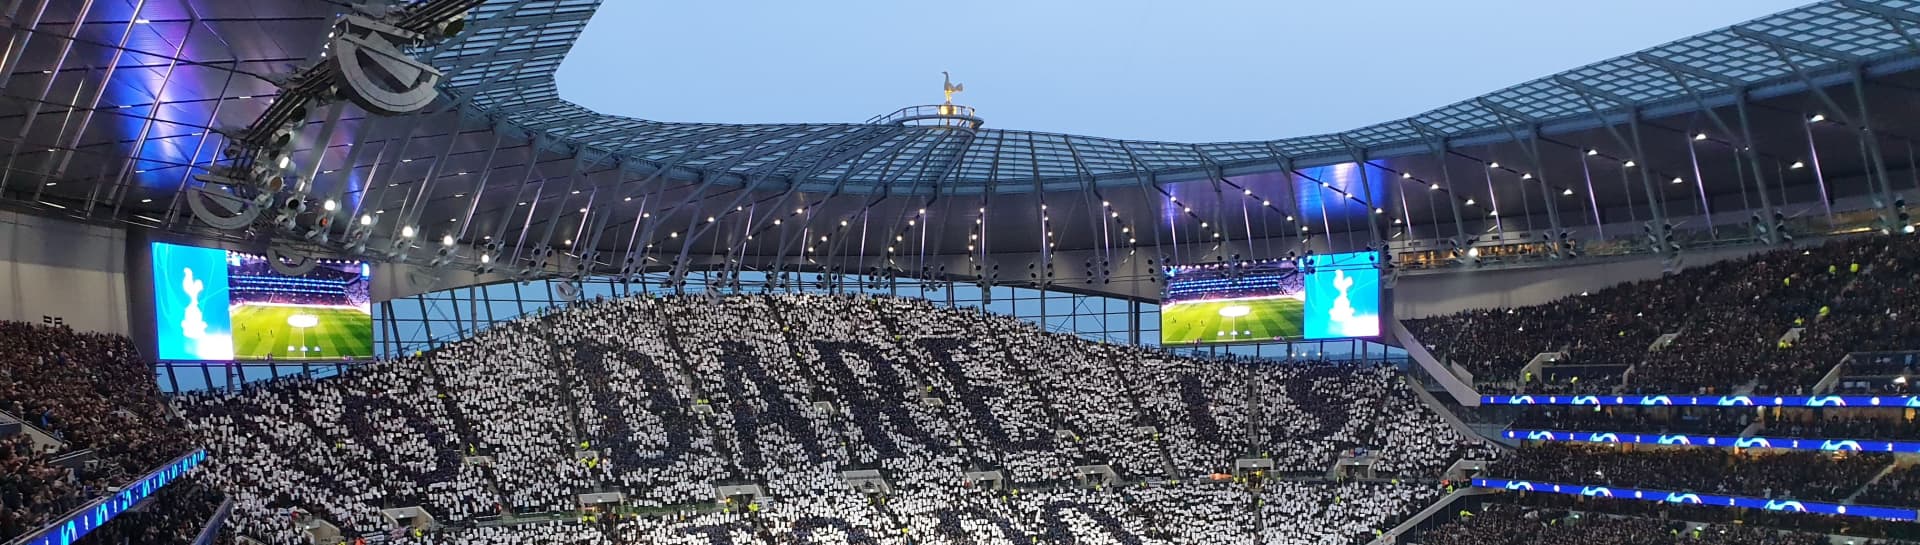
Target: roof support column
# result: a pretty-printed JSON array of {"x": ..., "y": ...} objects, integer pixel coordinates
[{"x": 1661, "y": 231}]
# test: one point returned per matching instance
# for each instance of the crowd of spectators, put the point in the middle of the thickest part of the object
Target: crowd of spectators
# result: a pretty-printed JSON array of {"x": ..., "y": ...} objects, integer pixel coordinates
[
  {"x": 1500, "y": 524},
  {"x": 1731, "y": 319},
  {"x": 1883, "y": 424},
  {"x": 1801, "y": 475},
  {"x": 89, "y": 392},
  {"x": 1626, "y": 418},
  {"x": 659, "y": 399}
]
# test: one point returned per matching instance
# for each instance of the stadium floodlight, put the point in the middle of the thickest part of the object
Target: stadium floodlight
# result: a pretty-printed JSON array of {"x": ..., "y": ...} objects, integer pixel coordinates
[
  {"x": 1434, "y": 187},
  {"x": 486, "y": 258},
  {"x": 1246, "y": 192},
  {"x": 1469, "y": 202},
  {"x": 1379, "y": 211},
  {"x": 1628, "y": 164},
  {"x": 1102, "y": 203},
  {"x": 1493, "y": 165},
  {"x": 1797, "y": 165},
  {"x": 446, "y": 240},
  {"x": 1568, "y": 192},
  {"x": 407, "y": 231},
  {"x": 366, "y": 219},
  {"x": 1406, "y": 175},
  {"x": 330, "y": 205},
  {"x": 1593, "y": 152},
  {"x": 1817, "y": 118},
  {"x": 1527, "y": 176},
  {"x": 1266, "y": 203},
  {"x": 1699, "y": 136},
  {"x": 1679, "y": 180}
]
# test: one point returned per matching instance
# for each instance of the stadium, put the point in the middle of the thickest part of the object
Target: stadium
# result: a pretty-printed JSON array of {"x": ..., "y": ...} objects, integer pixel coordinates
[{"x": 285, "y": 272}]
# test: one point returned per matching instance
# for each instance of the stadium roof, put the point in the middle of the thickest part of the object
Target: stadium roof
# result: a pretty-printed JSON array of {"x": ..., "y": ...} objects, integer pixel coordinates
[
  {"x": 113, "y": 108},
  {"x": 1765, "y": 57}
]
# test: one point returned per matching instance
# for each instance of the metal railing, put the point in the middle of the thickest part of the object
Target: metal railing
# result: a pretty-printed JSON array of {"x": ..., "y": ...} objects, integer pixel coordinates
[{"x": 931, "y": 115}]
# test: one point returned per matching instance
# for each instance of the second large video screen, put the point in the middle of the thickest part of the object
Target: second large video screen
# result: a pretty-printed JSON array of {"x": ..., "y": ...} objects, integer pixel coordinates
[
  {"x": 214, "y": 305},
  {"x": 1321, "y": 297}
]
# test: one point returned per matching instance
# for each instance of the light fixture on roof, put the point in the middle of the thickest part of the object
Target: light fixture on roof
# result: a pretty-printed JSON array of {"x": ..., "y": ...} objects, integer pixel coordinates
[
  {"x": 146, "y": 200},
  {"x": 776, "y": 221},
  {"x": 843, "y": 223},
  {"x": 522, "y": 203},
  {"x": 1469, "y": 202},
  {"x": 446, "y": 240},
  {"x": 1203, "y": 225},
  {"x": 406, "y": 160},
  {"x": 1406, "y": 175},
  {"x": 1679, "y": 180},
  {"x": 1698, "y": 136},
  {"x": 406, "y": 231},
  {"x": 568, "y": 242},
  {"x": 330, "y": 205},
  {"x": 461, "y": 173},
  {"x": 644, "y": 215},
  {"x": 1266, "y": 203},
  {"x": 1817, "y": 118},
  {"x": 486, "y": 258},
  {"x": 1593, "y": 152},
  {"x": 1495, "y": 164},
  {"x": 923, "y": 211},
  {"x": 583, "y": 210},
  {"x": 628, "y": 199},
  {"x": 1102, "y": 203},
  {"x": 1186, "y": 208},
  {"x": 366, "y": 219},
  {"x": 1797, "y": 165},
  {"x": 1379, "y": 211},
  {"x": 1246, "y": 192},
  {"x": 1434, "y": 187},
  {"x": 1527, "y": 176},
  {"x": 1568, "y": 192},
  {"x": 459, "y": 195},
  {"x": 576, "y": 192},
  {"x": 1629, "y": 164}
]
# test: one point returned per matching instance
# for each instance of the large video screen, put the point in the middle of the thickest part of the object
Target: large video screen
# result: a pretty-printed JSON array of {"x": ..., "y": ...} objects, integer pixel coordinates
[
  {"x": 222, "y": 305},
  {"x": 1321, "y": 297}
]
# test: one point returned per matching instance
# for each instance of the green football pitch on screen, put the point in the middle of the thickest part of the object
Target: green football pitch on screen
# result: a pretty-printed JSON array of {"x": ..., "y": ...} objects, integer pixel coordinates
[
  {"x": 1231, "y": 321},
  {"x": 301, "y": 333}
]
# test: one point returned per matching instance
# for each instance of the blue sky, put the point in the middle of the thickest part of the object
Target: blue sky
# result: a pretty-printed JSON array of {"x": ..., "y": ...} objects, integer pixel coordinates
[{"x": 1190, "y": 71}]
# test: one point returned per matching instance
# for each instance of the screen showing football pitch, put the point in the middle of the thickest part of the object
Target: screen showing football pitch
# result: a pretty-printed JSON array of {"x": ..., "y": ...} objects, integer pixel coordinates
[
  {"x": 214, "y": 305},
  {"x": 1319, "y": 297}
]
